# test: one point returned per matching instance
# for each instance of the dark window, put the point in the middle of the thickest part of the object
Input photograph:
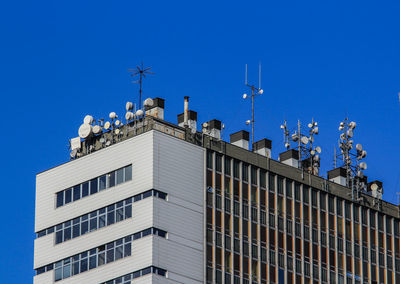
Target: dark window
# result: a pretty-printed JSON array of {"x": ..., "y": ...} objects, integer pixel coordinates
[
  {"x": 93, "y": 186},
  {"x": 68, "y": 195},
  {"x": 60, "y": 198},
  {"x": 85, "y": 189},
  {"x": 102, "y": 182},
  {"x": 77, "y": 192},
  {"x": 120, "y": 176},
  {"x": 128, "y": 173}
]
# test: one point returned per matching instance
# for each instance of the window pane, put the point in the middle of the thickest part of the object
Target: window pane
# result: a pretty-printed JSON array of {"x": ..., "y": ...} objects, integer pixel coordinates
[
  {"x": 60, "y": 198},
  {"x": 93, "y": 186},
  {"x": 128, "y": 173},
  {"x": 76, "y": 231},
  {"x": 68, "y": 195},
  {"x": 128, "y": 211},
  {"x": 84, "y": 227},
  {"x": 120, "y": 176},
  {"x": 92, "y": 262},
  {"x": 111, "y": 179},
  {"x": 59, "y": 237},
  {"x": 84, "y": 265},
  {"x": 58, "y": 274},
  {"x": 127, "y": 249},
  {"x": 85, "y": 189},
  {"x": 67, "y": 271},
  {"x": 77, "y": 192},
  {"x": 102, "y": 182}
]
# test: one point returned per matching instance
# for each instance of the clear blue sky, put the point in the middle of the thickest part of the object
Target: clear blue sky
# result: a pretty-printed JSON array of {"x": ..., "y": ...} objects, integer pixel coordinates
[{"x": 61, "y": 60}]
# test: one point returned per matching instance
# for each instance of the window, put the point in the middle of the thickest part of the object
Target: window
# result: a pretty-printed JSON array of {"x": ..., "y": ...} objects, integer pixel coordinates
[
  {"x": 98, "y": 256},
  {"x": 93, "y": 186}
]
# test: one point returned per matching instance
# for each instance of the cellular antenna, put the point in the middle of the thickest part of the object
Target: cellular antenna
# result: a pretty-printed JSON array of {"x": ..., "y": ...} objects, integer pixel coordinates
[
  {"x": 142, "y": 72},
  {"x": 254, "y": 91}
]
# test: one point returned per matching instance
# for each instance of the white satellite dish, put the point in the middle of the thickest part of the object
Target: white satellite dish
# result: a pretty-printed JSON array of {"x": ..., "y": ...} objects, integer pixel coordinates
[
  {"x": 96, "y": 129},
  {"x": 363, "y": 165},
  {"x": 117, "y": 131},
  {"x": 282, "y": 127},
  {"x": 352, "y": 125},
  {"x": 205, "y": 125},
  {"x": 129, "y": 106},
  {"x": 248, "y": 122},
  {"x": 88, "y": 119},
  {"x": 112, "y": 115},
  {"x": 295, "y": 137},
  {"x": 85, "y": 130},
  {"x": 363, "y": 153},
  {"x": 341, "y": 128},
  {"x": 310, "y": 125},
  {"x": 318, "y": 149},
  {"x": 287, "y": 145},
  {"x": 129, "y": 115},
  {"x": 108, "y": 143},
  {"x": 374, "y": 186},
  {"x": 244, "y": 96},
  {"x": 117, "y": 122},
  {"x": 316, "y": 130},
  {"x": 148, "y": 102},
  {"x": 304, "y": 140},
  {"x": 312, "y": 152},
  {"x": 261, "y": 91},
  {"x": 102, "y": 140},
  {"x": 359, "y": 147},
  {"x": 350, "y": 133},
  {"x": 139, "y": 112},
  {"x": 107, "y": 125}
]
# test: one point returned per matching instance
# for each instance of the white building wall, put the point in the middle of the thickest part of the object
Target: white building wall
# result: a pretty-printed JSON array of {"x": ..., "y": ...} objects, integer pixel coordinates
[{"x": 159, "y": 161}]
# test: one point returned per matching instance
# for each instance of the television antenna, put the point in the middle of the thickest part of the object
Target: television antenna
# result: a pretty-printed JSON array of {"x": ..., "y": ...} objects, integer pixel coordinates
[
  {"x": 352, "y": 159},
  {"x": 254, "y": 91},
  {"x": 140, "y": 71}
]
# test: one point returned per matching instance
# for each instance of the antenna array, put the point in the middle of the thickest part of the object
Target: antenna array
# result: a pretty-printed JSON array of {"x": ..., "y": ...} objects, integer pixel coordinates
[
  {"x": 308, "y": 153},
  {"x": 254, "y": 91},
  {"x": 352, "y": 158}
]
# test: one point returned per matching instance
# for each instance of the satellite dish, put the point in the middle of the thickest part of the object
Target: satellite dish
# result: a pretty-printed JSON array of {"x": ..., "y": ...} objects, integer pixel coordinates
[
  {"x": 139, "y": 112},
  {"x": 341, "y": 128},
  {"x": 312, "y": 152},
  {"x": 318, "y": 149},
  {"x": 88, "y": 119},
  {"x": 108, "y": 143},
  {"x": 304, "y": 140},
  {"x": 129, "y": 106},
  {"x": 352, "y": 125},
  {"x": 244, "y": 96},
  {"x": 73, "y": 153},
  {"x": 117, "y": 122},
  {"x": 287, "y": 145},
  {"x": 310, "y": 125},
  {"x": 295, "y": 137},
  {"x": 112, "y": 115},
  {"x": 247, "y": 122},
  {"x": 359, "y": 147},
  {"x": 342, "y": 136},
  {"x": 223, "y": 126},
  {"x": 282, "y": 127},
  {"x": 261, "y": 91},
  {"x": 341, "y": 124},
  {"x": 148, "y": 102},
  {"x": 316, "y": 130},
  {"x": 117, "y": 131},
  {"x": 107, "y": 125},
  {"x": 374, "y": 186},
  {"x": 205, "y": 125},
  {"x": 102, "y": 140},
  {"x": 85, "y": 130},
  {"x": 363, "y": 153},
  {"x": 129, "y": 115},
  {"x": 96, "y": 129},
  {"x": 350, "y": 133},
  {"x": 363, "y": 165}
]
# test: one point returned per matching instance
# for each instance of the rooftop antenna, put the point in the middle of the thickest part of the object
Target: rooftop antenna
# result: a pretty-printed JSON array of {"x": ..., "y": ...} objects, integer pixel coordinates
[
  {"x": 142, "y": 72},
  {"x": 254, "y": 91}
]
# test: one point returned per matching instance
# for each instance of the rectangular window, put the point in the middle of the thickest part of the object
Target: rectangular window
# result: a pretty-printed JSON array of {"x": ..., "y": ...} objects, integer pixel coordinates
[
  {"x": 77, "y": 192},
  {"x": 93, "y": 186},
  {"x": 60, "y": 198}
]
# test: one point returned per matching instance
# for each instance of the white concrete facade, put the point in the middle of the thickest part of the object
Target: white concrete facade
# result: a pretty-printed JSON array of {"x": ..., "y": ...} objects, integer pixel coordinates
[{"x": 159, "y": 161}]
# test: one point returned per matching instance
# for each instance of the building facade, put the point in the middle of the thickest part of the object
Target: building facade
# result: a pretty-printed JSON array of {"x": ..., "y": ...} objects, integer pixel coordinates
[{"x": 167, "y": 204}]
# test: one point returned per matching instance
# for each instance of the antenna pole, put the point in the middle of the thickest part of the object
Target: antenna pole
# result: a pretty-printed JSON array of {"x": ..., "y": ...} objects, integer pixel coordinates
[
  {"x": 252, "y": 119},
  {"x": 245, "y": 76},
  {"x": 141, "y": 72}
]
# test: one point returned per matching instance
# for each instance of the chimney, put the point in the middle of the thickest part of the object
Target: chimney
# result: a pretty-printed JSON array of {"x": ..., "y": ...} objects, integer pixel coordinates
[
  {"x": 263, "y": 147},
  {"x": 241, "y": 139},
  {"x": 375, "y": 188},
  {"x": 212, "y": 128},
  {"x": 185, "y": 111},
  {"x": 338, "y": 175},
  {"x": 157, "y": 109},
  {"x": 192, "y": 120},
  {"x": 290, "y": 157}
]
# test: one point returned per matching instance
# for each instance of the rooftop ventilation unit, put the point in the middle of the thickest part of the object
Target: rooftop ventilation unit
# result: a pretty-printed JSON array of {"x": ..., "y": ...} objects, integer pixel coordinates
[
  {"x": 338, "y": 175},
  {"x": 263, "y": 147},
  {"x": 192, "y": 120},
  {"x": 212, "y": 128},
  {"x": 157, "y": 109},
  {"x": 290, "y": 157},
  {"x": 241, "y": 139}
]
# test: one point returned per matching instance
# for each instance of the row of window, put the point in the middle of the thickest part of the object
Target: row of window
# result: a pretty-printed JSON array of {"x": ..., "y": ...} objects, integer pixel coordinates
[
  {"x": 97, "y": 256},
  {"x": 126, "y": 279},
  {"x": 93, "y": 186},
  {"x": 99, "y": 218}
]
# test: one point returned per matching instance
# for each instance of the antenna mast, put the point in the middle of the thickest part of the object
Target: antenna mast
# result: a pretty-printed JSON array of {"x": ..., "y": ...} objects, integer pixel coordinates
[
  {"x": 254, "y": 91},
  {"x": 142, "y": 72}
]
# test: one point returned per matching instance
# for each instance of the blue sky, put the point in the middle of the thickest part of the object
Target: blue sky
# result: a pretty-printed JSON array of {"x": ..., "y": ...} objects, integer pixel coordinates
[{"x": 61, "y": 60}]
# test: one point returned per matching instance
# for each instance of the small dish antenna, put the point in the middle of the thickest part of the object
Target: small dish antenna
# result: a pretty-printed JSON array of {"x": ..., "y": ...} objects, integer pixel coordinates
[
  {"x": 129, "y": 106},
  {"x": 96, "y": 129},
  {"x": 129, "y": 115},
  {"x": 73, "y": 153},
  {"x": 102, "y": 140},
  {"x": 359, "y": 147},
  {"x": 139, "y": 112},
  {"x": 374, "y": 186},
  {"x": 85, "y": 130},
  {"x": 117, "y": 122},
  {"x": 88, "y": 119},
  {"x": 113, "y": 115},
  {"x": 117, "y": 131},
  {"x": 304, "y": 140},
  {"x": 107, "y": 125},
  {"x": 318, "y": 149},
  {"x": 108, "y": 143},
  {"x": 148, "y": 102}
]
